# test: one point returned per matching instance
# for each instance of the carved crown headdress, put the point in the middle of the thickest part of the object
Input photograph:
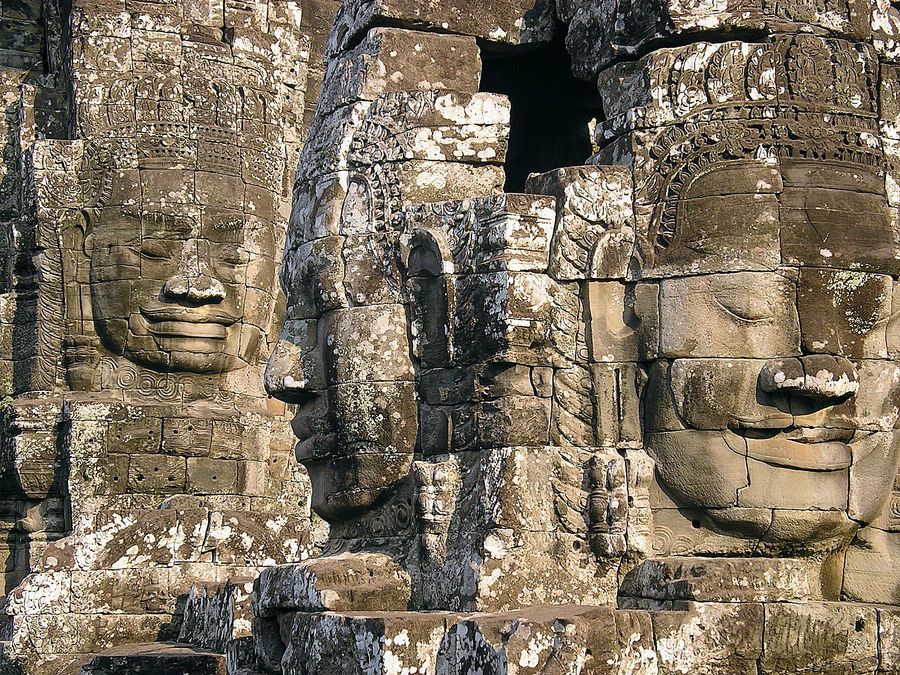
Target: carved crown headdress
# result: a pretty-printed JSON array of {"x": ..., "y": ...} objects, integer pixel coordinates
[
  {"x": 211, "y": 126},
  {"x": 800, "y": 96}
]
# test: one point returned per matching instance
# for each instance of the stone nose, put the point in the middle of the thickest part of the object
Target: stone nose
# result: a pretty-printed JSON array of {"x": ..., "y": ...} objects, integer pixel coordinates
[
  {"x": 294, "y": 372},
  {"x": 194, "y": 281},
  {"x": 817, "y": 377},
  {"x": 201, "y": 289}
]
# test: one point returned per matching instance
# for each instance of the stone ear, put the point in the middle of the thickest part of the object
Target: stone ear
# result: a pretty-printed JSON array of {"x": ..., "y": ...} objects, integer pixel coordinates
[
  {"x": 622, "y": 321},
  {"x": 84, "y": 220},
  {"x": 427, "y": 259}
]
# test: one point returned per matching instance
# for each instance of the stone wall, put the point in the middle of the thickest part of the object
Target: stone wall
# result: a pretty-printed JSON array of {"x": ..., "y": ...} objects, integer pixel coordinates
[{"x": 584, "y": 358}]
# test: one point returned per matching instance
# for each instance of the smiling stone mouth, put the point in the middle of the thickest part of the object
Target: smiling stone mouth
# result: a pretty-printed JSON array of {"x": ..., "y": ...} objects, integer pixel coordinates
[
  {"x": 174, "y": 322},
  {"x": 803, "y": 448},
  {"x": 797, "y": 434},
  {"x": 187, "y": 329},
  {"x": 177, "y": 314}
]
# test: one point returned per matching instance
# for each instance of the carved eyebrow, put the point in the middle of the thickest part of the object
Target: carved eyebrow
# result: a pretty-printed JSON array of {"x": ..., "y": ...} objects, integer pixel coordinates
[
  {"x": 225, "y": 223},
  {"x": 225, "y": 229}
]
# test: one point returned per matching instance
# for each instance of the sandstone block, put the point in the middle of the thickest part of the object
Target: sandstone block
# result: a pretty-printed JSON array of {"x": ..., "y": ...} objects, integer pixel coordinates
[
  {"x": 214, "y": 476},
  {"x": 720, "y": 580},
  {"x": 391, "y": 59},
  {"x": 331, "y": 583}
]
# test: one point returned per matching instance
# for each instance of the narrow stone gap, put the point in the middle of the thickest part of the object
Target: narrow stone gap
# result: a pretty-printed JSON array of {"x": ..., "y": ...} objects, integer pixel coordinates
[
  {"x": 878, "y": 644},
  {"x": 762, "y": 637},
  {"x": 551, "y": 110}
]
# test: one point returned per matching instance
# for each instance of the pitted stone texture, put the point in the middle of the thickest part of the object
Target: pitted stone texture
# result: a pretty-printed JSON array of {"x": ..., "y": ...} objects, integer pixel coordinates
[
  {"x": 720, "y": 580},
  {"x": 429, "y": 125},
  {"x": 137, "y": 294},
  {"x": 218, "y": 616},
  {"x": 599, "y": 32},
  {"x": 701, "y": 638},
  {"x": 662, "y": 380},
  {"x": 594, "y": 233},
  {"x": 134, "y": 567},
  {"x": 835, "y": 637},
  {"x": 386, "y": 59},
  {"x": 332, "y": 583},
  {"x": 506, "y": 22}
]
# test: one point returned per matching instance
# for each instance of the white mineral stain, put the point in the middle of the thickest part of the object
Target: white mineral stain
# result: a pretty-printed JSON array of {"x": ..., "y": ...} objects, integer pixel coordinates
[{"x": 531, "y": 655}]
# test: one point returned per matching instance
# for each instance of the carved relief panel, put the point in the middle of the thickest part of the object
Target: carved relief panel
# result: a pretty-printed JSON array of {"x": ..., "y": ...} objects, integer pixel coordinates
[{"x": 695, "y": 327}]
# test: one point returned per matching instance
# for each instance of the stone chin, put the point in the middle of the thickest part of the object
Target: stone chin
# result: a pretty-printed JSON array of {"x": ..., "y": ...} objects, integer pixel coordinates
[
  {"x": 208, "y": 363},
  {"x": 336, "y": 505},
  {"x": 759, "y": 494},
  {"x": 348, "y": 486},
  {"x": 786, "y": 531},
  {"x": 200, "y": 363},
  {"x": 199, "y": 355}
]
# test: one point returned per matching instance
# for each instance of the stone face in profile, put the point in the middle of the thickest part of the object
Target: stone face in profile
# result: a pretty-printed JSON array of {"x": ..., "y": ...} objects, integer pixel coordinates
[{"x": 344, "y": 355}]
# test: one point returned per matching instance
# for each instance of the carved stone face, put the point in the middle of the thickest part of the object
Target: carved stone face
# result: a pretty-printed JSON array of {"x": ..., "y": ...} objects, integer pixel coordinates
[
  {"x": 178, "y": 284},
  {"x": 773, "y": 403},
  {"x": 344, "y": 359}
]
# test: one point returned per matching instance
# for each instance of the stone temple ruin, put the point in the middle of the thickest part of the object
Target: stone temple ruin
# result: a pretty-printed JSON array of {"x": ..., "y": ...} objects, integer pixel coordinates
[{"x": 397, "y": 336}]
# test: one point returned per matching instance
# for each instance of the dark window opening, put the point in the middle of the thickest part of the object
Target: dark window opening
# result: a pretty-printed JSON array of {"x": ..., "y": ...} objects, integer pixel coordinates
[{"x": 550, "y": 109}]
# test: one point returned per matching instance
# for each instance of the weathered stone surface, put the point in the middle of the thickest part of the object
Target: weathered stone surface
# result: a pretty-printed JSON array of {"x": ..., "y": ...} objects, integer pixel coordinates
[
  {"x": 641, "y": 418},
  {"x": 506, "y": 22},
  {"x": 391, "y": 59},
  {"x": 671, "y": 383},
  {"x": 143, "y": 659},
  {"x": 736, "y": 323},
  {"x": 217, "y": 615},
  {"x": 834, "y": 637},
  {"x": 720, "y": 580},
  {"x": 594, "y": 233},
  {"x": 140, "y": 454},
  {"x": 732, "y": 638},
  {"x": 337, "y": 584},
  {"x": 599, "y": 32}
]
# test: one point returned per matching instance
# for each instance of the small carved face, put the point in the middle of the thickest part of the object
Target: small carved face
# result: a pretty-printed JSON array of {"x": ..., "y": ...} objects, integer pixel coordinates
[
  {"x": 343, "y": 356},
  {"x": 177, "y": 284},
  {"x": 774, "y": 400}
]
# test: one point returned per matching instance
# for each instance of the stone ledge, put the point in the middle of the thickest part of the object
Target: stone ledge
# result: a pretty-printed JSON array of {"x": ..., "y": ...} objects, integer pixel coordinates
[
  {"x": 722, "y": 638},
  {"x": 720, "y": 580},
  {"x": 163, "y": 658}
]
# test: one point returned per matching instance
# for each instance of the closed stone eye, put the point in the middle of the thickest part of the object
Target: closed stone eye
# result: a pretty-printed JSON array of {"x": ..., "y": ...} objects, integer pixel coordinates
[
  {"x": 748, "y": 308},
  {"x": 154, "y": 251}
]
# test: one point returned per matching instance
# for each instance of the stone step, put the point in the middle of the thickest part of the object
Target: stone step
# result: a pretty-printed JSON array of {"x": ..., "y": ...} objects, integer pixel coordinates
[{"x": 157, "y": 658}]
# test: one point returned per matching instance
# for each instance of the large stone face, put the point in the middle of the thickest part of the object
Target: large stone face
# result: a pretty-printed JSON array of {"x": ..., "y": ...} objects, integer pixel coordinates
[{"x": 681, "y": 348}]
